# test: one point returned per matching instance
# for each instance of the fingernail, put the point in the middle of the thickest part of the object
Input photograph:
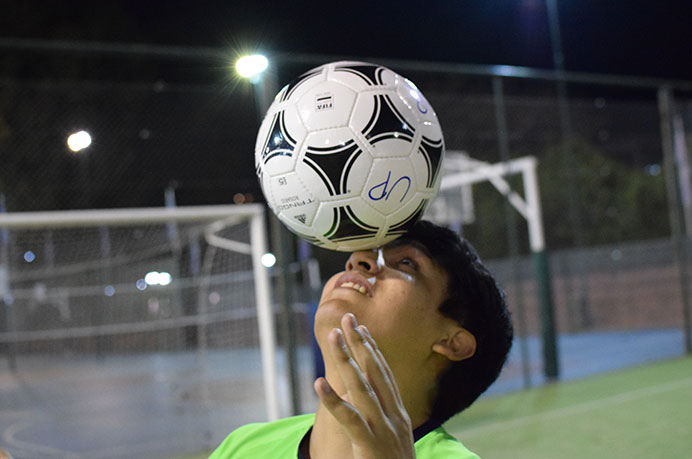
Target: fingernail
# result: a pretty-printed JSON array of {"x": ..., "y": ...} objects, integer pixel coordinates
[
  {"x": 353, "y": 320},
  {"x": 365, "y": 331},
  {"x": 326, "y": 387},
  {"x": 340, "y": 337}
]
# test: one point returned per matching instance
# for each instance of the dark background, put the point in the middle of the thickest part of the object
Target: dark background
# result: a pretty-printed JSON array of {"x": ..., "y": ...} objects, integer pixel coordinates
[
  {"x": 621, "y": 37},
  {"x": 189, "y": 123}
]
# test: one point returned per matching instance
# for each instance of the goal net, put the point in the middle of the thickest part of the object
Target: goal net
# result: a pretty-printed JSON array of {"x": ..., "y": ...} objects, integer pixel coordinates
[{"x": 164, "y": 308}]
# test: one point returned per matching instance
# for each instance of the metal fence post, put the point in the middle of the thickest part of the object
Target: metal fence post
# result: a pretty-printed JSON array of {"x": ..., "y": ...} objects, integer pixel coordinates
[{"x": 665, "y": 109}]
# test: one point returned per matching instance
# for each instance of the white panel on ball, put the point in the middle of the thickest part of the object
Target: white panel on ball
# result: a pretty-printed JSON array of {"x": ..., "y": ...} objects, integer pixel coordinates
[
  {"x": 391, "y": 185},
  {"x": 429, "y": 125},
  {"x": 298, "y": 87},
  {"x": 328, "y": 138},
  {"x": 361, "y": 77},
  {"x": 292, "y": 198},
  {"x": 364, "y": 111},
  {"x": 326, "y": 106},
  {"x": 265, "y": 180}
]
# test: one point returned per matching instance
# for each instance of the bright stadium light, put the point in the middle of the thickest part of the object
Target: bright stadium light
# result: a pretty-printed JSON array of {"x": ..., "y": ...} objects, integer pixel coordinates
[
  {"x": 152, "y": 278},
  {"x": 165, "y": 278},
  {"x": 157, "y": 278},
  {"x": 251, "y": 67},
  {"x": 79, "y": 141},
  {"x": 268, "y": 260}
]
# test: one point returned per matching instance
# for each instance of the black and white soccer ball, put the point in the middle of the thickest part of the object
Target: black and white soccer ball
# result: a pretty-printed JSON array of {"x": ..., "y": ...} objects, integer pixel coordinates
[{"x": 348, "y": 155}]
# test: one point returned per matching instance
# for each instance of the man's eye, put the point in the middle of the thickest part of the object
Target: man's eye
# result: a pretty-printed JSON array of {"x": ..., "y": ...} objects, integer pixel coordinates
[{"x": 408, "y": 262}]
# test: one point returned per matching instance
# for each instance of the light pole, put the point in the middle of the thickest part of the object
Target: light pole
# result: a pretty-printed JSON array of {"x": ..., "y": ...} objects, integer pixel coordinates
[
  {"x": 78, "y": 143},
  {"x": 254, "y": 69}
]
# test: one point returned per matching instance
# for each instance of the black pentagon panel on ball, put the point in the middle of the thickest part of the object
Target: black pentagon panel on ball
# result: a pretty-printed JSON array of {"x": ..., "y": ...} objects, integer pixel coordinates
[
  {"x": 386, "y": 122},
  {"x": 432, "y": 151},
  {"x": 400, "y": 228},
  {"x": 278, "y": 142},
  {"x": 333, "y": 165},
  {"x": 290, "y": 88},
  {"x": 371, "y": 74},
  {"x": 347, "y": 227}
]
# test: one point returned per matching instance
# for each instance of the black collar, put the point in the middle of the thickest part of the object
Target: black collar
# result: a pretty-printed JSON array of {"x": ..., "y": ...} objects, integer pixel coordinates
[
  {"x": 418, "y": 433},
  {"x": 425, "y": 428},
  {"x": 304, "y": 447}
]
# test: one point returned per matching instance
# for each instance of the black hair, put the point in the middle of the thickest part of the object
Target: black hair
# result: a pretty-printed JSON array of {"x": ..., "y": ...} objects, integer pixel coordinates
[{"x": 477, "y": 303}]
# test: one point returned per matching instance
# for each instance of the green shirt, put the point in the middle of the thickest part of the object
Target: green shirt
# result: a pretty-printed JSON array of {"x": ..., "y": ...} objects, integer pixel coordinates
[{"x": 280, "y": 440}]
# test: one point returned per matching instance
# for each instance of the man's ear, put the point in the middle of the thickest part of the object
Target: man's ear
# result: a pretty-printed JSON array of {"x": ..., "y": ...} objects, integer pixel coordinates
[{"x": 457, "y": 346}]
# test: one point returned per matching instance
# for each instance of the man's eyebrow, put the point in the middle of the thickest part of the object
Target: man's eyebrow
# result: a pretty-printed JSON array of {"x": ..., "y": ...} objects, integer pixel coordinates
[{"x": 398, "y": 243}]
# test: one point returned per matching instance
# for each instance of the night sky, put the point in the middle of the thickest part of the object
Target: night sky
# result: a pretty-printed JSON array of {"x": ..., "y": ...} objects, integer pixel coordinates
[
  {"x": 643, "y": 38},
  {"x": 646, "y": 38}
]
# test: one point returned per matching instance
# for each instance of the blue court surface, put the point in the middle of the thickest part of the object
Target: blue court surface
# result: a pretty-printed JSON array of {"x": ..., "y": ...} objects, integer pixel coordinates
[{"x": 168, "y": 404}]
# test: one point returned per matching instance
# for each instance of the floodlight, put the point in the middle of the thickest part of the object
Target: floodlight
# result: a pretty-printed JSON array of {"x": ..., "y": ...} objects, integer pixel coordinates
[
  {"x": 152, "y": 278},
  {"x": 268, "y": 260},
  {"x": 251, "y": 66},
  {"x": 165, "y": 278},
  {"x": 78, "y": 141},
  {"x": 157, "y": 278}
]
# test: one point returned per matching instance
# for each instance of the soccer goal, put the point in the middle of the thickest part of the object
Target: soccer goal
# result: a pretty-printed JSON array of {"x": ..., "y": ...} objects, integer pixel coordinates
[
  {"x": 152, "y": 289},
  {"x": 454, "y": 206}
]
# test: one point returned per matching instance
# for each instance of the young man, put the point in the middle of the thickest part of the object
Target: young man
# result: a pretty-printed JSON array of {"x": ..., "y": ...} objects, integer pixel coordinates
[{"x": 411, "y": 334}]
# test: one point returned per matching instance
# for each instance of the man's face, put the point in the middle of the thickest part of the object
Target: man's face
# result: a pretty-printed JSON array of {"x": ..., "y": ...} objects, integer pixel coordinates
[{"x": 394, "y": 291}]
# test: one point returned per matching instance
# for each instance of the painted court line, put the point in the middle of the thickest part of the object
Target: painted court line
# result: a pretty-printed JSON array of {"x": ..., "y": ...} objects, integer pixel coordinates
[
  {"x": 8, "y": 437},
  {"x": 577, "y": 409},
  {"x": 38, "y": 450}
]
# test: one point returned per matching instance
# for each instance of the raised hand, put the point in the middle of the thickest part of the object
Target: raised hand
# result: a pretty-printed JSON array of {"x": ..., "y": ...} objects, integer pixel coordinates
[{"x": 371, "y": 411}]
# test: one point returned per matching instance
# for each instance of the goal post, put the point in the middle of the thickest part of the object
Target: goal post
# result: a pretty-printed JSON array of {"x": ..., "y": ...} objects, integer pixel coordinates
[
  {"x": 471, "y": 171},
  {"x": 76, "y": 264}
]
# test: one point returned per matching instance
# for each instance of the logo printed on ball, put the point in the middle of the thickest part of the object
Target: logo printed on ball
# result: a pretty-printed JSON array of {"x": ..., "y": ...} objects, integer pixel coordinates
[
  {"x": 422, "y": 107},
  {"x": 324, "y": 102},
  {"x": 384, "y": 193},
  {"x": 293, "y": 202}
]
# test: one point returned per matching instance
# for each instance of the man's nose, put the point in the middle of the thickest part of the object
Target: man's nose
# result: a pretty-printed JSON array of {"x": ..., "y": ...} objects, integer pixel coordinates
[{"x": 364, "y": 261}]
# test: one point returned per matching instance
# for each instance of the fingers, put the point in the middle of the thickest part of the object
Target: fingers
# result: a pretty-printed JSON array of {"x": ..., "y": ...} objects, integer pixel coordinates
[
  {"x": 349, "y": 417},
  {"x": 371, "y": 411},
  {"x": 359, "y": 390},
  {"x": 372, "y": 363}
]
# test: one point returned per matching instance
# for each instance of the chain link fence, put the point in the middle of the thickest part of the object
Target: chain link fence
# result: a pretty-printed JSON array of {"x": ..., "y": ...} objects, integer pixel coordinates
[{"x": 612, "y": 161}]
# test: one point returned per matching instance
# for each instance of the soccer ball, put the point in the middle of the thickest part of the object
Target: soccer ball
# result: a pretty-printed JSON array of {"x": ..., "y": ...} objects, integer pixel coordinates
[{"x": 348, "y": 155}]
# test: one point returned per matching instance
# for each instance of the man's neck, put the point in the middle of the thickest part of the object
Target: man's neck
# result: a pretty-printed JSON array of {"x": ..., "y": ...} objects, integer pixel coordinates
[{"x": 327, "y": 438}]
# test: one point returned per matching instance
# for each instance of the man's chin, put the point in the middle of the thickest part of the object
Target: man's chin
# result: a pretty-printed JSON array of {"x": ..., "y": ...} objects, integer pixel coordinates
[
  {"x": 329, "y": 314},
  {"x": 332, "y": 309}
]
